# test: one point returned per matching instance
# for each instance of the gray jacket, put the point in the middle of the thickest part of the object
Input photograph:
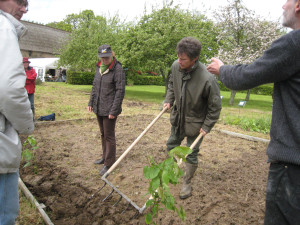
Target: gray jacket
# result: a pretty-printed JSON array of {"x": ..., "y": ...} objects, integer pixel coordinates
[
  {"x": 15, "y": 113},
  {"x": 280, "y": 65},
  {"x": 196, "y": 99}
]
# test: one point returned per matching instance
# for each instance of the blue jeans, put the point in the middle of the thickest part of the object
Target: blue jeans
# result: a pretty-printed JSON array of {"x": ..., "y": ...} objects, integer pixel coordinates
[
  {"x": 9, "y": 198},
  {"x": 283, "y": 195}
]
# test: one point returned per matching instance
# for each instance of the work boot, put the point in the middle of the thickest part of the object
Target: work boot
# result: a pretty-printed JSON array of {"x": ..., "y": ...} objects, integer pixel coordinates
[
  {"x": 99, "y": 161},
  {"x": 187, "y": 189},
  {"x": 103, "y": 170}
]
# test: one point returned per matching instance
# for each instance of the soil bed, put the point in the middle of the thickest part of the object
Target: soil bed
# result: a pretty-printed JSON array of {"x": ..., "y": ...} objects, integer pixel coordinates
[{"x": 229, "y": 185}]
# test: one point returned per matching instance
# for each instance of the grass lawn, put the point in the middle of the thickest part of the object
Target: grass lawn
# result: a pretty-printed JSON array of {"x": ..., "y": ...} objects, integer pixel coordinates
[{"x": 70, "y": 102}]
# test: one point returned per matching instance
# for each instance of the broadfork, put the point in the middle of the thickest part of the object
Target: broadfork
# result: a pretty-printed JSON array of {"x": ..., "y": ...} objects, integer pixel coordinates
[{"x": 122, "y": 195}]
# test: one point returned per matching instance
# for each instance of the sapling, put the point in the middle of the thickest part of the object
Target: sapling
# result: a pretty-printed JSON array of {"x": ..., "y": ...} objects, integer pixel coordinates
[
  {"x": 160, "y": 176},
  {"x": 29, "y": 146}
]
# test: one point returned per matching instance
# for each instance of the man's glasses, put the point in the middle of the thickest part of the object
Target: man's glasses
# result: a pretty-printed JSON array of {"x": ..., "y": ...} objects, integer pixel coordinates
[{"x": 22, "y": 3}]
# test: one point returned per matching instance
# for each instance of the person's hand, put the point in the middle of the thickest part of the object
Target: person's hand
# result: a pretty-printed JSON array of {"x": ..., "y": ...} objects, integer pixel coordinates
[
  {"x": 90, "y": 108},
  {"x": 214, "y": 67},
  {"x": 203, "y": 132},
  {"x": 111, "y": 117},
  {"x": 167, "y": 105}
]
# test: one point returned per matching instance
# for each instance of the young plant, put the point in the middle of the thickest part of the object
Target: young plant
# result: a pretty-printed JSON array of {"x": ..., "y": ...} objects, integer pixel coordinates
[
  {"x": 161, "y": 175},
  {"x": 29, "y": 146}
]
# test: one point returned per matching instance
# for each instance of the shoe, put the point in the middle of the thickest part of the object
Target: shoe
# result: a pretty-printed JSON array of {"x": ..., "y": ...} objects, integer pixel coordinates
[
  {"x": 103, "y": 170},
  {"x": 99, "y": 161}
]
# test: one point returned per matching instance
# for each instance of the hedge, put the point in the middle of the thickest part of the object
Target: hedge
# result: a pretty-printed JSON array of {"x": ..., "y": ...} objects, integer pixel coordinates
[
  {"x": 265, "y": 89},
  {"x": 80, "y": 78},
  {"x": 86, "y": 78},
  {"x": 144, "y": 80}
]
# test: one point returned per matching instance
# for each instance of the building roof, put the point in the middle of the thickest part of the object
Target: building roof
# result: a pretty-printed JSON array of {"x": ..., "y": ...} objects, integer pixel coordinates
[{"x": 41, "y": 38}]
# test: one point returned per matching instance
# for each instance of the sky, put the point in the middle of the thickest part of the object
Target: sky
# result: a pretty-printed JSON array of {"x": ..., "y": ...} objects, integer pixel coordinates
[{"x": 46, "y": 11}]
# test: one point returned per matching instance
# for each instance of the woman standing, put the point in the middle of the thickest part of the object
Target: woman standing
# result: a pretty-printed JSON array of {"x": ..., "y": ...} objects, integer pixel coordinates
[
  {"x": 106, "y": 102},
  {"x": 30, "y": 82}
]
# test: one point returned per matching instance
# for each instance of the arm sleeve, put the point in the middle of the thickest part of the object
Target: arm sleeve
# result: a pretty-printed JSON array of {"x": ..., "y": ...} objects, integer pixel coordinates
[
  {"x": 278, "y": 63},
  {"x": 214, "y": 107},
  {"x": 120, "y": 91},
  {"x": 14, "y": 103}
]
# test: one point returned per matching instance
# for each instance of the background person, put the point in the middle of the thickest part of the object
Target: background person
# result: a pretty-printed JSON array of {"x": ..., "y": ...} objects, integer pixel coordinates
[
  {"x": 15, "y": 112},
  {"x": 279, "y": 65},
  {"x": 30, "y": 82},
  {"x": 195, "y": 96},
  {"x": 106, "y": 100}
]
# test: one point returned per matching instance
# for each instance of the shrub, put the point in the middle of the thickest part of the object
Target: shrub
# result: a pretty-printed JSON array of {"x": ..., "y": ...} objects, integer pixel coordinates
[
  {"x": 139, "y": 79},
  {"x": 266, "y": 89},
  {"x": 80, "y": 78}
]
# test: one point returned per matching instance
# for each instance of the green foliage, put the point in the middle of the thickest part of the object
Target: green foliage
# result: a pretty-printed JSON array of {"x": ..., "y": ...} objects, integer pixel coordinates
[
  {"x": 60, "y": 25},
  {"x": 160, "y": 176},
  {"x": 81, "y": 78},
  {"x": 138, "y": 79},
  {"x": 261, "y": 125},
  {"x": 89, "y": 32},
  {"x": 266, "y": 89},
  {"x": 28, "y": 147},
  {"x": 150, "y": 45}
]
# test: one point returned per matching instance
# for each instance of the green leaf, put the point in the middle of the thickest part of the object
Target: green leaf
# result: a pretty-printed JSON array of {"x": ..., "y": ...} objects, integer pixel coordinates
[
  {"x": 155, "y": 183},
  {"x": 150, "y": 172},
  {"x": 180, "y": 152},
  {"x": 150, "y": 202},
  {"x": 148, "y": 218},
  {"x": 165, "y": 177}
]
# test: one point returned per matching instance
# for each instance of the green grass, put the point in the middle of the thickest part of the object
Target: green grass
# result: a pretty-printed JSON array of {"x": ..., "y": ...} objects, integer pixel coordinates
[{"x": 70, "y": 102}]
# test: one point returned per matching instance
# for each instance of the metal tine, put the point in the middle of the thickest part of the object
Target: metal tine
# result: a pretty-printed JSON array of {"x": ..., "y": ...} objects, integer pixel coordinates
[
  {"x": 135, "y": 215},
  {"x": 126, "y": 208},
  {"x": 97, "y": 191},
  {"x": 118, "y": 201},
  {"x": 108, "y": 195}
]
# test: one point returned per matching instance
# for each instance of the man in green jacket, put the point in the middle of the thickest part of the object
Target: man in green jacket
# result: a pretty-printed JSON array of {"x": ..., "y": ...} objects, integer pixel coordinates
[{"x": 195, "y": 96}]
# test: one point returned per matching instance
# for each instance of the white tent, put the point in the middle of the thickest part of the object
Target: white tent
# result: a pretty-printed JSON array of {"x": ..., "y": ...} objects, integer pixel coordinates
[{"x": 41, "y": 65}]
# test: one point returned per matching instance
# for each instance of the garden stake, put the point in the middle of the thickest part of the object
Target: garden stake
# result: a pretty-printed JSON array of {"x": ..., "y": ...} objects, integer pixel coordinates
[{"x": 140, "y": 210}]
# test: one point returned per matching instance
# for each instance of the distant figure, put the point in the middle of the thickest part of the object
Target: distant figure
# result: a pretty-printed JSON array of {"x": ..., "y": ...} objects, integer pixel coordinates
[
  {"x": 280, "y": 65},
  {"x": 106, "y": 100},
  {"x": 195, "y": 96},
  {"x": 15, "y": 113},
  {"x": 30, "y": 83}
]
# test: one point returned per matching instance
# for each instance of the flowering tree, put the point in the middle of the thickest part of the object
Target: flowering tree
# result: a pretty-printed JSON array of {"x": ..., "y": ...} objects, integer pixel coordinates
[{"x": 243, "y": 35}]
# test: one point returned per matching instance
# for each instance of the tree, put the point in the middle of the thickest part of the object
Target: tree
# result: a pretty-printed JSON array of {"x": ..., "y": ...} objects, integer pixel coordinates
[
  {"x": 150, "y": 45},
  {"x": 89, "y": 32},
  {"x": 243, "y": 35}
]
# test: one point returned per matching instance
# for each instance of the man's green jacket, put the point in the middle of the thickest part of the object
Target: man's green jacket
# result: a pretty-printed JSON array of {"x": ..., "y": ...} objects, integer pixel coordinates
[{"x": 195, "y": 96}]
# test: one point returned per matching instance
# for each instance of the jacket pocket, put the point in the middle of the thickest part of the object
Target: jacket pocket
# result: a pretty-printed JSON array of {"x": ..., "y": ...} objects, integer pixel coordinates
[
  {"x": 2, "y": 123},
  {"x": 192, "y": 125},
  {"x": 174, "y": 117}
]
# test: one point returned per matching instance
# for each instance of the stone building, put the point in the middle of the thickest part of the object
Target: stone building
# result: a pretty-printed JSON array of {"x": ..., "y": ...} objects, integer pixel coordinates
[{"x": 42, "y": 41}]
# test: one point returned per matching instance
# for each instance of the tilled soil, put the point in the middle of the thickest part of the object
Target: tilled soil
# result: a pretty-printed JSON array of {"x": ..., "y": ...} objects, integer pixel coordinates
[{"x": 228, "y": 187}]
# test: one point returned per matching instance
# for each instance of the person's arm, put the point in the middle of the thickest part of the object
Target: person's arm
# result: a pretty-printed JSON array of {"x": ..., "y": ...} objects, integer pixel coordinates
[
  {"x": 170, "y": 97},
  {"x": 119, "y": 80},
  {"x": 14, "y": 103},
  {"x": 214, "y": 105},
  {"x": 277, "y": 64}
]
